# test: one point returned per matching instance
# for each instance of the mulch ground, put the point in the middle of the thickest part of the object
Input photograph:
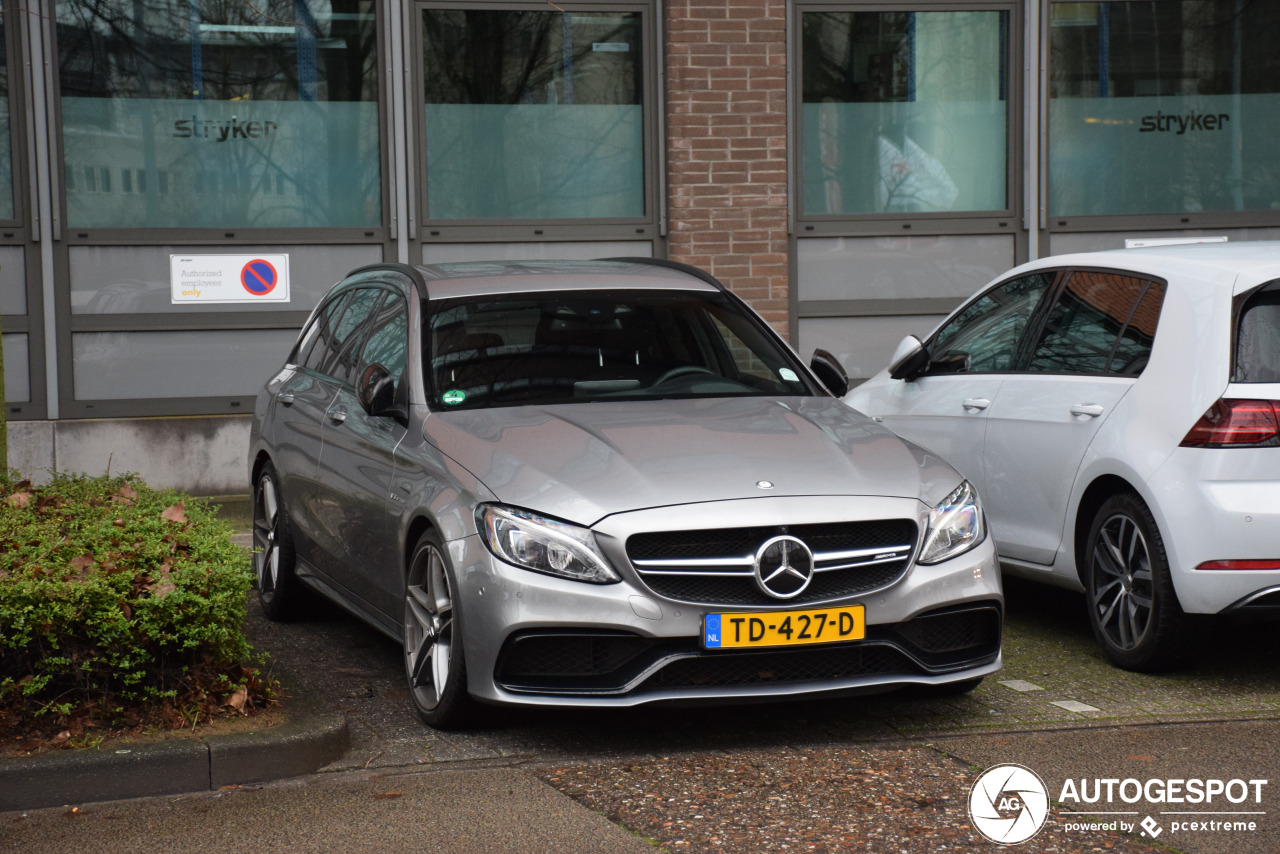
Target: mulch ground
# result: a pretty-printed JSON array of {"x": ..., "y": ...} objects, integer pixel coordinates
[{"x": 813, "y": 800}]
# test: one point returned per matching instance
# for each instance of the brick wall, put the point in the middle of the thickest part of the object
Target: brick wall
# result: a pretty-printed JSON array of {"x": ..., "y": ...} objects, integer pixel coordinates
[{"x": 727, "y": 145}]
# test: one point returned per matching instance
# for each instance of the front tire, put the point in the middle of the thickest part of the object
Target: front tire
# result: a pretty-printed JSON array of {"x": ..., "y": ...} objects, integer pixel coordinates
[
  {"x": 434, "y": 662},
  {"x": 1133, "y": 607},
  {"x": 274, "y": 562}
]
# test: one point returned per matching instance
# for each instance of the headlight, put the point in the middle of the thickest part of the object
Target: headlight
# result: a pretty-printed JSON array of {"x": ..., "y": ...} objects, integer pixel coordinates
[
  {"x": 955, "y": 526},
  {"x": 535, "y": 542}
]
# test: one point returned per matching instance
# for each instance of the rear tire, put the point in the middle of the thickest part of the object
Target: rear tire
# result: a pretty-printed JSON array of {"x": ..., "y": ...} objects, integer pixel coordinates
[
  {"x": 279, "y": 590},
  {"x": 1133, "y": 607},
  {"x": 434, "y": 662}
]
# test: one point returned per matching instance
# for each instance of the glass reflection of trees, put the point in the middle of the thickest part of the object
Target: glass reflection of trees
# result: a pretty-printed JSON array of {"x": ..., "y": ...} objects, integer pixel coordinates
[{"x": 218, "y": 49}]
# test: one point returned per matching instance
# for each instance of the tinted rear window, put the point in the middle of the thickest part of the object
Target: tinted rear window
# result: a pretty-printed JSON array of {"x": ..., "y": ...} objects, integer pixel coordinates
[{"x": 1258, "y": 338}]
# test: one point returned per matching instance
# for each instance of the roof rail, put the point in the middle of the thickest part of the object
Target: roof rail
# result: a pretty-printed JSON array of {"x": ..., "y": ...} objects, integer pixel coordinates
[
  {"x": 696, "y": 272},
  {"x": 409, "y": 271}
]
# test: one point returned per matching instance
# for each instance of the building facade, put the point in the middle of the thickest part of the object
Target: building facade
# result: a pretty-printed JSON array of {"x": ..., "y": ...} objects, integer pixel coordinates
[{"x": 853, "y": 169}]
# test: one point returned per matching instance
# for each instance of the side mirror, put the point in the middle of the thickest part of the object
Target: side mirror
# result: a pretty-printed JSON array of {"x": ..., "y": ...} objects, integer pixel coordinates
[
  {"x": 829, "y": 370},
  {"x": 376, "y": 391},
  {"x": 909, "y": 360}
]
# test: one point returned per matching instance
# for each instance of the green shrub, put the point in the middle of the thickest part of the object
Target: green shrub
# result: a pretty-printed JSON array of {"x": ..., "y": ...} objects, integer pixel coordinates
[{"x": 114, "y": 595}]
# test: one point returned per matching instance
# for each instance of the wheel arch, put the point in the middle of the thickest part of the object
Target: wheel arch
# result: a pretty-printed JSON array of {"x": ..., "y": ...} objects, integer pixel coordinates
[
  {"x": 1093, "y": 497},
  {"x": 418, "y": 526}
]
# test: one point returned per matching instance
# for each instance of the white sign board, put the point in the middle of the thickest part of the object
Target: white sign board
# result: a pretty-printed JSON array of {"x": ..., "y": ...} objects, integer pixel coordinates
[{"x": 228, "y": 278}]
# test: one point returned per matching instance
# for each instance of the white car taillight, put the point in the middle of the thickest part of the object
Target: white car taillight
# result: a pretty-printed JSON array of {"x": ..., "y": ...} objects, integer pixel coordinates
[{"x": 1237, "y": 423}]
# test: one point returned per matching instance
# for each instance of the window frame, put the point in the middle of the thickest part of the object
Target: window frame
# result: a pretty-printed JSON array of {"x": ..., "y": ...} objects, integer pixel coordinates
[
  {"x": 1149, "y": 282},
  {"x": 1128, "y": 222},
  {"x": 1037, "y": 321},
  {"x": 213, "y": 240},
  {"x": 1030, "y": 331},
  {"x": 996, "y": 221},
  {"x": 428, "y": 229}
]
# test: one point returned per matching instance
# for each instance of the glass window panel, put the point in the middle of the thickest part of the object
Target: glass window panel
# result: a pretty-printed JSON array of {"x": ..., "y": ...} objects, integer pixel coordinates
[
  {"x": 388, "y": 343},
  {"x": 6, "y": 152},
  {"x": 316, "y": 345},
  {"x": 204, "y": 114},
  {"x": 13, "y": 280},
  {"x": 1133, "y": 350},
  {"x": 17, "y": 367},
  {"x": 843, "y": 268},
  {"x": 1166, "y": 107},
  {"x": 1257, "y": 341},
  {"x": 123, "y": 365},
  {"x": 349, "y": 332},
  {"x": 904, "y": 111},
  {"x": 533, "y": 115},
  {"x": 136, "y": 279},
  {"x": 1083, "y": 328},
  {"x": 985, "y": 335}
]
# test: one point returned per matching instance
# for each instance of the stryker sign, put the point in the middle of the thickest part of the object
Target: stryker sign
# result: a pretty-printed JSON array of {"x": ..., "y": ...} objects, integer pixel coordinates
[
  {"x": 197, "y": 128},
  {"x": 1165, "y": 122}
]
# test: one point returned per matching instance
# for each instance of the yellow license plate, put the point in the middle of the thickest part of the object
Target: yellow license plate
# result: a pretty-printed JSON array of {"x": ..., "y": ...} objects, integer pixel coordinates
[{"x": 784, "y": 628}]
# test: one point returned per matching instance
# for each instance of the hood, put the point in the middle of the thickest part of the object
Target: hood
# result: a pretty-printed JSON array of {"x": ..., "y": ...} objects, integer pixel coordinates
[{"x": 582, "y": 462}]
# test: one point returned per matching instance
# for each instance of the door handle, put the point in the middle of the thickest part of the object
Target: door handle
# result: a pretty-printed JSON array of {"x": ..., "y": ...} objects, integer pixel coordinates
[
  {"x": 285, "y": 397},
  {"x": 1087, "y": 410},
  {"x": 976, "y": 404},
  {"x": 338, "y": 414}
]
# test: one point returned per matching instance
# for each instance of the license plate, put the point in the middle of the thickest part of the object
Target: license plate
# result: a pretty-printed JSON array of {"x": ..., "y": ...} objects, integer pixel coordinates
[{"x": 784, "y": 628}]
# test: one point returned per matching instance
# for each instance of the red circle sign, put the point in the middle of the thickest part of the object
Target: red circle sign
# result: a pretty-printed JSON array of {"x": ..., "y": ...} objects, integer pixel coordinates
[{"x": 259, "y": 277}]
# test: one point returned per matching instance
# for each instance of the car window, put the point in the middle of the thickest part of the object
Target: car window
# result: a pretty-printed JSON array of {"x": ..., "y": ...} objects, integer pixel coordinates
[
  {"x": 350, "y": 332},
  {"x": 1095, "y": 325},
  {"x": 388, "y": 341},
  {"x": 1133, "y": 350},
  {"x": 315, "y": 345},
  {"x": 1258, "y": 338},
  {"x": 564, "y": 347},
  {"x": 985, "y": 335}
]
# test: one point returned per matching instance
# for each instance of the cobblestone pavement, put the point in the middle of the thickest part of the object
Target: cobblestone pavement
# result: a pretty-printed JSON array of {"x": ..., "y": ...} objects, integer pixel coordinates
[{"x": 871, "y": 773}]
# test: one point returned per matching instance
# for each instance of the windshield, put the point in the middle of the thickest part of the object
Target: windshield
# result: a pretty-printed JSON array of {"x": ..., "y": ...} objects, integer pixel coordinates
[{"x": 576, "y": 346}]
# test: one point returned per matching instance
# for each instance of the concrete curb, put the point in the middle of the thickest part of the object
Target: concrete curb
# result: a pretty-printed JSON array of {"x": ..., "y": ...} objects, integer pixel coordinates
[{"x": 173, "y": 767}]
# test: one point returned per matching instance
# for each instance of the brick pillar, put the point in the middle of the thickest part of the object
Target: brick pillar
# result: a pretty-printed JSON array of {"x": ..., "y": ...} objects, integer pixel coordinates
[{"x": 727, "y": 145}]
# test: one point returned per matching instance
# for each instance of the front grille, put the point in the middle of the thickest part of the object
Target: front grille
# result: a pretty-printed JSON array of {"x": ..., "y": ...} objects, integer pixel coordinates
[
  {"x": 596, "y": 662},
  {"x": 715, "y": 567},
  {"x": 782, "y": 668}
]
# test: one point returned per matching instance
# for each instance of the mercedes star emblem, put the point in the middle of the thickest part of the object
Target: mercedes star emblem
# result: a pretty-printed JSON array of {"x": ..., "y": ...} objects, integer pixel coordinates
[{"x": 783, "y": 567}]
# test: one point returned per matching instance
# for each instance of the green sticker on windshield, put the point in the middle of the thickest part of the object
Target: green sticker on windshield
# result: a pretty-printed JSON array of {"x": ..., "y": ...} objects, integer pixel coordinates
[{"x": 454, "y": 396}]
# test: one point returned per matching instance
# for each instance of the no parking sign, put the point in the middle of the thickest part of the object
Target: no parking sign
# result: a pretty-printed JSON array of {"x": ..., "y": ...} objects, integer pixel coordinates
[{"x": 229, "y": 278}]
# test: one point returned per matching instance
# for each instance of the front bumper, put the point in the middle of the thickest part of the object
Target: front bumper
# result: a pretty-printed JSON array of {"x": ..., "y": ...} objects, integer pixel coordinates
[{"x": 537, "y": 639}]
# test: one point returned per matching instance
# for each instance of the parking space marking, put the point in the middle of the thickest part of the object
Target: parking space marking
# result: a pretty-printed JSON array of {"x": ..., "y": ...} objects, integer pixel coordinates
[
  {"x": 1021, "y": 685},
  {"x": 1075, "y": 706}
]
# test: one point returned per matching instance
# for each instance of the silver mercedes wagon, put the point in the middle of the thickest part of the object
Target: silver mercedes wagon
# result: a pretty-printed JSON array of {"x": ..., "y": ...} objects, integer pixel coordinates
[{"x": 606, "y": 483}]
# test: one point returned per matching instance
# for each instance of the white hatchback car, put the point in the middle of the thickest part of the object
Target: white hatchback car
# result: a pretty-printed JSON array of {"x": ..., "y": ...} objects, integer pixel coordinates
[{"x": 1119, "y": 413}]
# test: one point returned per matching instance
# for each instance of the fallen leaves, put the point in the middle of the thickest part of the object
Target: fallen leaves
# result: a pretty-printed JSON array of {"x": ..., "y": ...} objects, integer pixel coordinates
[{"x": 176, "y": 513}]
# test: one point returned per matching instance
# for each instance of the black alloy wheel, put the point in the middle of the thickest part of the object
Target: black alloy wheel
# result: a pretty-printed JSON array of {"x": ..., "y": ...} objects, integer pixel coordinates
[{"x": 1133, "y": 607}]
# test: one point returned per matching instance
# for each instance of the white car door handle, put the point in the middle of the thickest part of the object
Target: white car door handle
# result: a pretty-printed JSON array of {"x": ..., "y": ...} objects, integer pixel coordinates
[
  {"x": 976, "y": 404},
  {"x": 1090, "y": 410}
]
